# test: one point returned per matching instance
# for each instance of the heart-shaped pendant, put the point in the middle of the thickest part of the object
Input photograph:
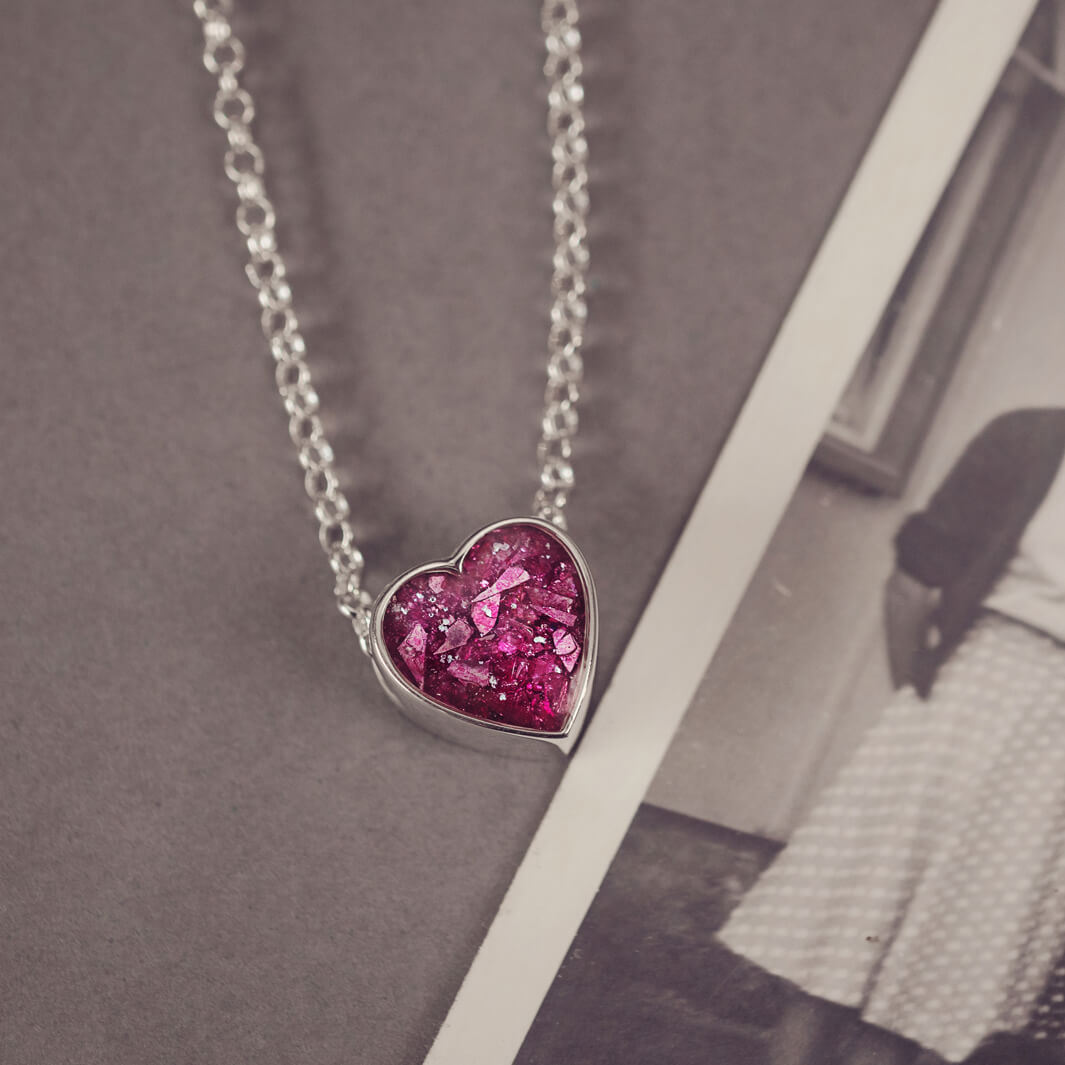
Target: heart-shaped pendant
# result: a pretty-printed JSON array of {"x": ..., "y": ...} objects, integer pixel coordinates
[{"x": 496, "y": 644}]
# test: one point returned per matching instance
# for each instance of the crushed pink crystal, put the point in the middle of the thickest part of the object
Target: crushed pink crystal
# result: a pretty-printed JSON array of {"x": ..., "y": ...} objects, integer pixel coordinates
[{"x": 501, "y": 639}]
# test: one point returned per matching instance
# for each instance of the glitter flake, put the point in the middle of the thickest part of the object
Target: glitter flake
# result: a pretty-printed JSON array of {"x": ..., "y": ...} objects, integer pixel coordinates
[
  {"x": 484, "y": 613},
  {"x": 566, "y": 648},
  {"x": 511, "y": 578},
  {"x": 476, "y": 675},
  {"x": 412, "y": 651},
  {"x": 457, "y": 635}
]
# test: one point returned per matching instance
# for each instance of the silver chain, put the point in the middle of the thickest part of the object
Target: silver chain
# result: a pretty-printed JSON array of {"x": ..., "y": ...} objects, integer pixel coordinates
[
  {"x": 569, "y": 309},
  {"x": 234, "y": 111}
]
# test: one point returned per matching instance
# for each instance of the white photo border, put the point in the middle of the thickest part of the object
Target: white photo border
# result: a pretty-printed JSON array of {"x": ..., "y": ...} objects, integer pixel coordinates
[{"x": 917, "y": 145}]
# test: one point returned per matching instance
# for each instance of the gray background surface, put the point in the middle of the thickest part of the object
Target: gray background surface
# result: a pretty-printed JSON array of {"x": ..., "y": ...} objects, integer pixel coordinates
[{"x": 218, "y": 843}]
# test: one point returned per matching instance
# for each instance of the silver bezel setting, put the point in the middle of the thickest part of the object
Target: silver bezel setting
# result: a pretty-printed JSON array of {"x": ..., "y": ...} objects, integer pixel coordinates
[{"x": 466, "y": 729}]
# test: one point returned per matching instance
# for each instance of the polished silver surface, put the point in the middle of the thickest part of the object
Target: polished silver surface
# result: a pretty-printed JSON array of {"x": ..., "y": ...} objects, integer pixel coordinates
[{"x": 464, "y": 728}]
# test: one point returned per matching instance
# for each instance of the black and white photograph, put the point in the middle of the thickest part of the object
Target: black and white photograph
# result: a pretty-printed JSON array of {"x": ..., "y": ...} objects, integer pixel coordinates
[{"x": 853, "y": 851}]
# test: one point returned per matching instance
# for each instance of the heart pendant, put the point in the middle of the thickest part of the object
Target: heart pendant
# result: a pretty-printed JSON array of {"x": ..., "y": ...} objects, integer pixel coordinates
[{"x": 496, "y": 644}]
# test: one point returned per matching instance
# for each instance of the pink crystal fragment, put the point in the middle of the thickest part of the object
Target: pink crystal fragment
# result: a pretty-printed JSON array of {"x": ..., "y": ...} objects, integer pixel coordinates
[
  {"x": 457, "y": 635},
  {"x": 513, "y": 636},
  {"x": 484, "y": 614},
  {"x": 511, "y": 578},
  {"x": 556, "y": 607},
  {"x": 412, "y": 651},
  {"x": 564, "y": 642},
  {"x": 565, "y": 584},
  {"x": 508, "y": 628},
  {"x": 561, "y": 616},
  {"x": 478, "y": 675},
  {"x": 566, "y": 648}
]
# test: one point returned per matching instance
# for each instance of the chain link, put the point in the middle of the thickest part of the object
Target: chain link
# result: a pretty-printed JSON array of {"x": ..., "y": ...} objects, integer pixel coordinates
[{"x": 234, "y": 111}]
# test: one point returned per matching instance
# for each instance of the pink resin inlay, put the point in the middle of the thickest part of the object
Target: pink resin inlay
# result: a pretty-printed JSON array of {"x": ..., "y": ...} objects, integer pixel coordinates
[{"x": 504, "y": 635}]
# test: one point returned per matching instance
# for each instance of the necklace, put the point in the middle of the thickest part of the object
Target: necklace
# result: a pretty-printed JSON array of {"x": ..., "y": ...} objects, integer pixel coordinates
[{"x": 494, "y": 646}]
